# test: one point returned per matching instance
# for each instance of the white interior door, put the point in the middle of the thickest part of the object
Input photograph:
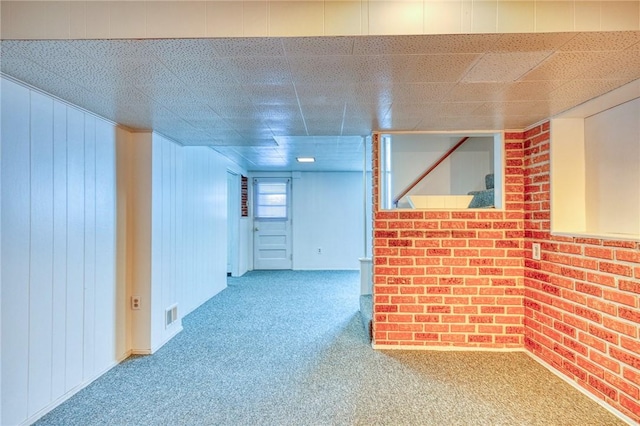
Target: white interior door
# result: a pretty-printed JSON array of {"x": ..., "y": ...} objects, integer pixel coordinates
[{"x": 272, "y": 223}]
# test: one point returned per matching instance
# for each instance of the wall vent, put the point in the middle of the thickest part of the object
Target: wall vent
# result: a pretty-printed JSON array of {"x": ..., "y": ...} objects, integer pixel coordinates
[{"x": 170, "y": 315}]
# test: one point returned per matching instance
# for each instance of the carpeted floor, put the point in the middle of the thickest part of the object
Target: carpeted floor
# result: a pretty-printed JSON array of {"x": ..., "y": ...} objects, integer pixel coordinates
[{"x": 288, "y": 348}]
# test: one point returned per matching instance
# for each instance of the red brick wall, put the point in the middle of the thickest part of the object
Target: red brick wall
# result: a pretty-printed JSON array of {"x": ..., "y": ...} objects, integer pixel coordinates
[
  {"x": 581, "y": 298},
  {"x": 451, "y": 278}
]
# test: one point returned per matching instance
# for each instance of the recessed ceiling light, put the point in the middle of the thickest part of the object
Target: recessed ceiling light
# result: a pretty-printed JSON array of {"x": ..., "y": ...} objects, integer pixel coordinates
[{"x": 306, "y": 159}]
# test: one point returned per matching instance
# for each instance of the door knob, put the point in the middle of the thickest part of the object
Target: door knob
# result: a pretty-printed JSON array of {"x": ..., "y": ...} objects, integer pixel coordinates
[{"x": 256, "y": 229}]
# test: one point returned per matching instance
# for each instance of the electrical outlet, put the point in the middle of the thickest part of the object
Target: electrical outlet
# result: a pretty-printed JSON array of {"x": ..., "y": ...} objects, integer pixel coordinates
[
  {"x": 536, "y": 251},
  {"x": 319, "y": 250},
  {"x": 135, "y": 302}
]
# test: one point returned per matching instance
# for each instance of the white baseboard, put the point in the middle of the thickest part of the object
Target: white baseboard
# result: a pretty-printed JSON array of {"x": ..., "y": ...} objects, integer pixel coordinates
[
  {"x": 582, "y": 390},
  {"x": 443, "y": 348},
  {"x": 32, "y": 419},
  {"x": 177, "y": 329},
  {"x": 546, "y": 365}
]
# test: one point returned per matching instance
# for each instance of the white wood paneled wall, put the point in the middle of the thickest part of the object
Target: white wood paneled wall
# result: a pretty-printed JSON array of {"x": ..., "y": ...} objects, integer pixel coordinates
[
  {"x": 328, "y": 214},
  {"x": 205, "y": 229},
  {"x": 58, "y": 251},
  {"x": 65, "y": 313},
  {"x": 166, "y": 236},
  {"x": 188, "y": 235}
]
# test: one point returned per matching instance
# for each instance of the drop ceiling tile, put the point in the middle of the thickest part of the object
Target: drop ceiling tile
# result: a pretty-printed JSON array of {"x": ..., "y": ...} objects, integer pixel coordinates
[
  {"x": 129, "y": 96},
  {"x": 583, "y": 90},
  {"x": 623, "y": 66},
  {"x": 361, "y": 111},
  {"x": 545, "y": 42},
  {"x": 169, "y": 95},
  {"x": 260, "y": 70},
  {"x": 176, "y": 49},
  {"x": 329, "y": 111},
  {"x": 112, "y": 50},
  {"x": 174, "y": 86},
  {"x": 371, "y": 93},
  {"x": 245, "y": 123},
  {"x": 323, "y": 70},
  {"x": 279, "y": 112},
  {"x": 530, "y": 90},
  {"x": 202, "y": 72},
  {"x": 453, "y": 109},
  {"x": 504, "y": 67},
  {"x": 151, "y": 72},
  {"x": 414, "y": 68},
  {"x": 412, "y": 93},
  {"x": 194, "y": 111},
  {"x": 36, "y": 75},
  {"x": 501, "y": 109},
  {"x": 324, "y": 126},
  {"x": 522, "y": 121},
  {"x": 475, "y": 92},
  {"x": 601, "y": 41},
  {"x": 233, "y": 156},
  {"x": 566, "y": 65},
  {"x": 399, "y": 123},
  {"x": 359, "y": 128},
  {"x": 272, "y": 94},
  {"x": 271, "y": 46},
  {"x": 212, "y": 126},
  {"x": 221, "y": 94},
  {"x": 295, "y": 127},
  {"x": 246, "y": 111},
  {"x": 46, "y": 51},
  {"x": 324, "y": 93},
  {"x": 315, "y": 46}
]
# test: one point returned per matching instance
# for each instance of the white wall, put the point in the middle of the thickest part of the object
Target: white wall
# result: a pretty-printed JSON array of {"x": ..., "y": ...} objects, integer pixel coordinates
[
  {"x": 612, "y": 169},
  {"x": 204, "y": 247},
  {"x": 176, "y": 231},
  {"x": 328, "y": 213},
  {"x": 58, "y": 251},
  {"x": 66, "y": 285}
]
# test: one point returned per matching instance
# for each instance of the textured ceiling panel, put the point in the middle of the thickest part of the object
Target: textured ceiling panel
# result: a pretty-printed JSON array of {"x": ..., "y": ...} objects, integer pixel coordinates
[
  {"x": 599, "y": 42},
  {"x": 314, "y": 46},
  {"x": 538, "y": 42},
  {"x": 238, "y": 94},
  {"x": 555, "y": 67},
  {"x": 248, "y": 46},
  {"x": 504, "y": 67},
  {"x": 416, "y": 45}
]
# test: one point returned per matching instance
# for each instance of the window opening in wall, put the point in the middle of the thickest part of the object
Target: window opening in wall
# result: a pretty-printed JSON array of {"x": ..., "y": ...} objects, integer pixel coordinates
[
  {"x": 440, "y": 170},
  {"x": 595, "y": 167}
]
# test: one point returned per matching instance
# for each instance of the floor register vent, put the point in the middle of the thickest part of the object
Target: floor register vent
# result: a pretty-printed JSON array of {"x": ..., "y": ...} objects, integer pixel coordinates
[{"x": 171, "y": 315}]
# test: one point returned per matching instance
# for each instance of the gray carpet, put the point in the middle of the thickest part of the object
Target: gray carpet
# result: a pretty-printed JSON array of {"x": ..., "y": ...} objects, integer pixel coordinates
[{"x": 289, "y": 348}]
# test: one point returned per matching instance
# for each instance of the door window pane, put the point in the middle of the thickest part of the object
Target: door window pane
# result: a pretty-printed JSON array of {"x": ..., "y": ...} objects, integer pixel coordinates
[{"x": 271, "y": 200}]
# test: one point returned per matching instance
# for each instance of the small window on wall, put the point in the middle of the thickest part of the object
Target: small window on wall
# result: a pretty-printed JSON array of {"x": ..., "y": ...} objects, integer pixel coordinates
[
  {"x": 440, "y": 170},
  {"x": 270, "y": 199}
]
